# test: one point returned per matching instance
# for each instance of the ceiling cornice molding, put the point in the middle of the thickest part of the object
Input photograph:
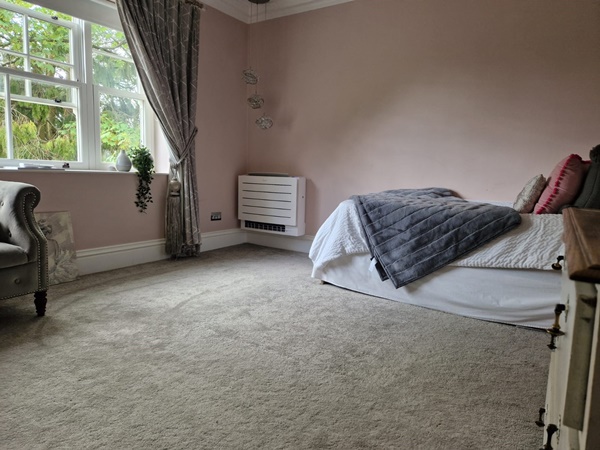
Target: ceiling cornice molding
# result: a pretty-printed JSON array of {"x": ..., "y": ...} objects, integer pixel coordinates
[
  {"x": 282, "y": 8},
  {"x": 240, "y": 9}
]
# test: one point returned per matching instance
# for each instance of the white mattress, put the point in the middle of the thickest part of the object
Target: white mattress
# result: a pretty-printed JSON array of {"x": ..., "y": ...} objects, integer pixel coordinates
[{"x": 508, "y": 280}]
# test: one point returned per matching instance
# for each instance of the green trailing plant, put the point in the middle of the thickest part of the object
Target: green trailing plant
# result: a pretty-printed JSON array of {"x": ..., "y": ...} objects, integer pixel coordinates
[{"x": 142, "y": 161}]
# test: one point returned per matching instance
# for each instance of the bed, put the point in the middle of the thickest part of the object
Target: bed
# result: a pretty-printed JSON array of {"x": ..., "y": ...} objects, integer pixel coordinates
[{"x": 508, "y": 280}]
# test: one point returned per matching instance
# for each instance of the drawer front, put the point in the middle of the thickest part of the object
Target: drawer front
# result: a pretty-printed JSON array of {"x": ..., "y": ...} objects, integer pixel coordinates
[{"x": 571, "y": 399}]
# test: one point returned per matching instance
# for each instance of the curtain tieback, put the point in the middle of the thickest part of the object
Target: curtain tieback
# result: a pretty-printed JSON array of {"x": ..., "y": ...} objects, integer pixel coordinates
[
  {"x": 174, "y": 187},
  {"x": 186, "y": 150}
]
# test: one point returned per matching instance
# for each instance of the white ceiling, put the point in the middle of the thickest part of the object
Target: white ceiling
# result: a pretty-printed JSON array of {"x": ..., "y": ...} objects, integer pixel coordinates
[{"x": 240, "y": 9}]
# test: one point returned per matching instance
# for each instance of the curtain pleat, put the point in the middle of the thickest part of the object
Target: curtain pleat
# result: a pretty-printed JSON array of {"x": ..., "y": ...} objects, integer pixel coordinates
[{"x": 163, "y": 36}]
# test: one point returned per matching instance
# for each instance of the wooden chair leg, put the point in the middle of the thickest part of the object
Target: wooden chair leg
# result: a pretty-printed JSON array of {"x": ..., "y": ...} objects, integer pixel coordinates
[{"x": 40, "y": 302}]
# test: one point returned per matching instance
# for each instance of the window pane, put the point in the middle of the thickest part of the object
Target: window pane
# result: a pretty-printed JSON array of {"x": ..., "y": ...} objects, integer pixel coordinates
[
  {"x": 39, "y": 89},
  {"x": 115, "y": 73},
  {"x": 17, "y": 86},
  {"x": 51, "y": 70},
  {"x": 45, "y": 116},
  {"x": 120, "y": 125},
  {"x": 12, "y": 61},
  {"x": 112, "y": 63},
  {"x": 11, "y": 31},
  {"x": 47, "y": 91},
  {"x": 44, "y": 132},
  {"x": 49, "y": 40},
  {"x": 110, "y": 41}
]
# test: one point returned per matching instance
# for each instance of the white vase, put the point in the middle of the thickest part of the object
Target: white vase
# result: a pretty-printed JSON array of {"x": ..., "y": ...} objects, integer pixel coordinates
[{"x": 123, "y": 162}]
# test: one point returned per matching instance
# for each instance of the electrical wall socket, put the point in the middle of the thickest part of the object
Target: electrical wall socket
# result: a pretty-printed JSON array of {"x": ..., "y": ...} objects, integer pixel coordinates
[{"x": 215, "y": 215}]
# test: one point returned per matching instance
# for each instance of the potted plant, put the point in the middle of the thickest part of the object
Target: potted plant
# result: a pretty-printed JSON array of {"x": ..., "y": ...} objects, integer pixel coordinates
[{"x": 142, "y": 161}]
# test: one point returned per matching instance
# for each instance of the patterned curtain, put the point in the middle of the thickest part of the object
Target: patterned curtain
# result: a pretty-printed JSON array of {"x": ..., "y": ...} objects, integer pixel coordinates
[{"x": 163, "y": 36}]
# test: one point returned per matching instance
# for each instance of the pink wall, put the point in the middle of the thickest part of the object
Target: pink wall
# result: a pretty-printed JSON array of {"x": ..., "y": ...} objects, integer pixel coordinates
[
  {"x": 101, "y": 204},
  {"x": 221, "y": 117},
  {"x": 477, "y": 96}
]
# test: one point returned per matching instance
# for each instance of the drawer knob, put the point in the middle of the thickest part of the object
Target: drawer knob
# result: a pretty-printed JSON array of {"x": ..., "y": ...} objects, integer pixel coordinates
[
  {"x": 540, "y": 422},
  {"x": 550, "y": 430},
  {"x": 557, "y": 265},
  {"x": 554, "y": 331}
]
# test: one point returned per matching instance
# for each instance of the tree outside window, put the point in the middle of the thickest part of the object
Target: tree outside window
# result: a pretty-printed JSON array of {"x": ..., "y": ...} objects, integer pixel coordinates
[{"x": 46, "y": 103}]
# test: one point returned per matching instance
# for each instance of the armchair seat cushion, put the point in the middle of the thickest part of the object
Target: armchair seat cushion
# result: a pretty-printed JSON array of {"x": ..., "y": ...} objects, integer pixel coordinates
[{"x": 11, "y": 255}]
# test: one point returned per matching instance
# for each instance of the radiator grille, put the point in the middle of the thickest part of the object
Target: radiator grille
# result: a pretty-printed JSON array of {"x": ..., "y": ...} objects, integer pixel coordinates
[
  {"x": 272, "y": 204},
  {"x": 264, "y": 226}
]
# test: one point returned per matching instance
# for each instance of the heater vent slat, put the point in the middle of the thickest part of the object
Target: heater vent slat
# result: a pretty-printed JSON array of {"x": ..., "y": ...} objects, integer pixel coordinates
[
  {"x": 268, "y": 196},
  {"x": 264, "y": 226},
  {"x": 272, "y": 204}
]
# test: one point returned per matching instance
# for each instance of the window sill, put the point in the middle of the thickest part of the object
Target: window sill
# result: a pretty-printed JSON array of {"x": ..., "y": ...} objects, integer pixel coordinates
[{"x": 15, "y": 169}]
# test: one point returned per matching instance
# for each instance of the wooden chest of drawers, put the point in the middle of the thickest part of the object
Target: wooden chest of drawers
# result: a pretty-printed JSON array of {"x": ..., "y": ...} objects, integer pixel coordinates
[{"x": 571, "y": 417}]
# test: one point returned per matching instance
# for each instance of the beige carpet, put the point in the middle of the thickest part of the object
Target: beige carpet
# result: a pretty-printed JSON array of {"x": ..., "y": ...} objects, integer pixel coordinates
[{"x": 241, "y": 349}]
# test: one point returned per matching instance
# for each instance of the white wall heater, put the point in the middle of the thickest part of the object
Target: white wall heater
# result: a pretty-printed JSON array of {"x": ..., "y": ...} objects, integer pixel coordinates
[{"x": 272, "y": 204}]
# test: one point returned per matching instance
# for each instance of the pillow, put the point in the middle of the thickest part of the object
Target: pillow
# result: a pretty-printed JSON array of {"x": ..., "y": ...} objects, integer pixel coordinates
[
  {"x": 563, "y": 186},
  {"x": 590, "y": 193},
  {"x": 530, "y": 194}
]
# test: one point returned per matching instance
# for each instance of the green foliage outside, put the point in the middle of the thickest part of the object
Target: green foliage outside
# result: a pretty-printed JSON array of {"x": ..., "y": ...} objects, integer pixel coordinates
[{"x": 49, "y": 132}]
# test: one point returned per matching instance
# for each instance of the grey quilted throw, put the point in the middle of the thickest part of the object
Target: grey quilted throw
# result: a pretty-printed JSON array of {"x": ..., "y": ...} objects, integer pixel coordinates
[{"x": 413, "y": 232}]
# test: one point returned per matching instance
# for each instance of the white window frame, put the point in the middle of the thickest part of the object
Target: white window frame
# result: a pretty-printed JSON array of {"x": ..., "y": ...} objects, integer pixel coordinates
[{"x": 86, "y": 103}]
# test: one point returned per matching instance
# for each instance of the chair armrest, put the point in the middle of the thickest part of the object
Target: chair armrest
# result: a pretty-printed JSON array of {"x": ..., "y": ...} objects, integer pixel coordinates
[{"x": 17, "y": 222}]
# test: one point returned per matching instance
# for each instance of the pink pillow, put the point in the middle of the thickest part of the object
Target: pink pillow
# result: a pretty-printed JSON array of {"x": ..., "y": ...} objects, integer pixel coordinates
[{"x": 563, "y": 186}]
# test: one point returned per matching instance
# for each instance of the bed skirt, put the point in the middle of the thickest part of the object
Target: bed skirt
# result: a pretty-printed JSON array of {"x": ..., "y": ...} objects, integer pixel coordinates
[{"x": 523, "y": 297}]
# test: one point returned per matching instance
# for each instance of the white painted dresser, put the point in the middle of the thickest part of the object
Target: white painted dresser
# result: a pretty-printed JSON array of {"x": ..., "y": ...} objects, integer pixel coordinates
[{"x": 571, "y": 416}]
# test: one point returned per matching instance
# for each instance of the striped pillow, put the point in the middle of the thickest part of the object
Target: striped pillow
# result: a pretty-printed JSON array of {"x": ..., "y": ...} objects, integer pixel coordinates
[{"x": 564, "y": 184}]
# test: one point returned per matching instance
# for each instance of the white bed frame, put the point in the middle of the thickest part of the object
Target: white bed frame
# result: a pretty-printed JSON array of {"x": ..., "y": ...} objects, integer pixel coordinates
[{"x": 523, "y": 297}]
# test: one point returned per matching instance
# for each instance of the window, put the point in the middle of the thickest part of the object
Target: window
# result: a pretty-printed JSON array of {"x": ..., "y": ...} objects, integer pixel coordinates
[{"x": 69, "y": 90}]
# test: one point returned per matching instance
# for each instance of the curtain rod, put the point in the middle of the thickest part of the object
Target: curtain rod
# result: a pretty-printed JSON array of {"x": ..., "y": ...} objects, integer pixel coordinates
[{"x": 191, "y": 2}]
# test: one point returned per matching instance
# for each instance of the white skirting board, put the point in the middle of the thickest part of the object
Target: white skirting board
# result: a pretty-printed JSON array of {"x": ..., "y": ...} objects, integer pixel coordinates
[
  {"x": 117, "y": 256},
  {"x": 296, "y": 244}
]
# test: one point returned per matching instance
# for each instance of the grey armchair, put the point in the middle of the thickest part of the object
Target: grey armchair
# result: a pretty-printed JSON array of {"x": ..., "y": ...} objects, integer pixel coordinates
[{"x": 23, "y": 246}]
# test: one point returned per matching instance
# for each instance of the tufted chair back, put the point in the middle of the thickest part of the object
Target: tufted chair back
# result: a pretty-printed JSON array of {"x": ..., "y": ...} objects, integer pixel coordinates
[{"x": 23, "y": 246}]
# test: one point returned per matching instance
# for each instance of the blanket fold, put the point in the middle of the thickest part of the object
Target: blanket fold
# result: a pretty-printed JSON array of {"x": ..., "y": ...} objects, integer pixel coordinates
[{"x": 413, "y": 232}]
